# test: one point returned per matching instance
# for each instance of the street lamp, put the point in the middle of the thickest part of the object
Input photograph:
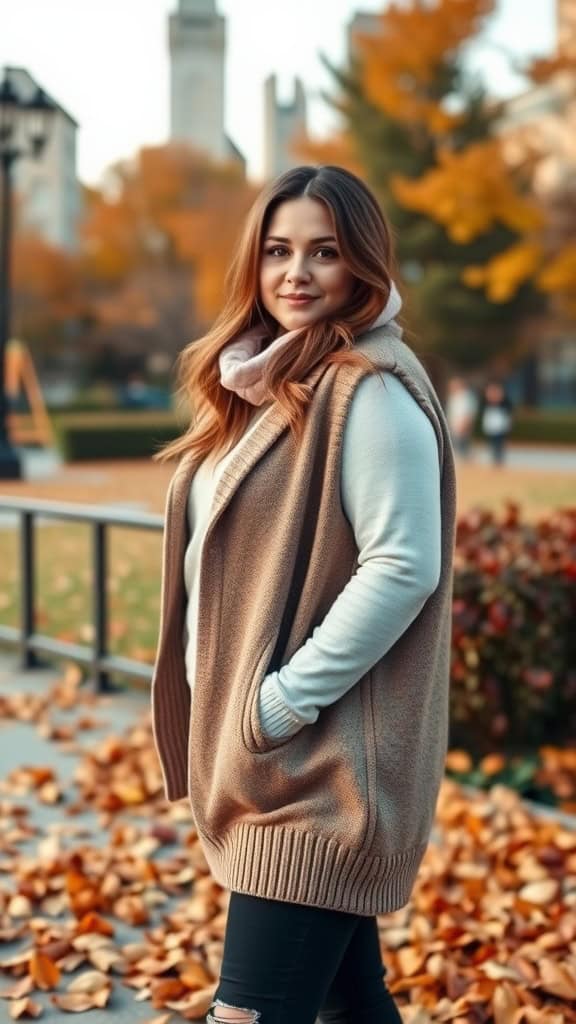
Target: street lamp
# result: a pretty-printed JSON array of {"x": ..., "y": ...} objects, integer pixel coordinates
[{"x": 24, "y": 128}]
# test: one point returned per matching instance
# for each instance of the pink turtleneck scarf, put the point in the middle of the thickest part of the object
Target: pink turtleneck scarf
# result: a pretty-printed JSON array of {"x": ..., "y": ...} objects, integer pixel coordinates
[{"x": 243, "y": 363}]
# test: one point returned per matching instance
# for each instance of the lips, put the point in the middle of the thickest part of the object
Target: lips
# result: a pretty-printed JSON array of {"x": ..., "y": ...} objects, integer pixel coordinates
[{"x": 298, "y": 299}]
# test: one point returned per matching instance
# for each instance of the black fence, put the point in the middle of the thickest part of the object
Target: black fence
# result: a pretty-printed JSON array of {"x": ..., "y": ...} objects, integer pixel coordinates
[{"x": 26, "y": 639}]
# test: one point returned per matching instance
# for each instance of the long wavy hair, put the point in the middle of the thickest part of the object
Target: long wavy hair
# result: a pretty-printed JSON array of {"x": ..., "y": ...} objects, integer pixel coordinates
[{"x": 219, "y": 417}]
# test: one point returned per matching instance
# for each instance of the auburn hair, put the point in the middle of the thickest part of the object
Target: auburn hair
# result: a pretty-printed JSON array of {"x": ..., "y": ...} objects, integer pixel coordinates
[{"x": 219, "y": 416}]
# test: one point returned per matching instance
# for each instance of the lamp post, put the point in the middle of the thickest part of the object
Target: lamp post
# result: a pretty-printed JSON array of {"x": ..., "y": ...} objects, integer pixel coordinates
[{"x": 24, "y": 127}]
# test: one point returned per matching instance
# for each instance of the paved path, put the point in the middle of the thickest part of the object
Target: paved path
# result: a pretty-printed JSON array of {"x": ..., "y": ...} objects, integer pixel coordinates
[
  {"x": 22, "y": 744},
  {"x": 40, "y": 464},
  {"x": 541, "y": 457}
]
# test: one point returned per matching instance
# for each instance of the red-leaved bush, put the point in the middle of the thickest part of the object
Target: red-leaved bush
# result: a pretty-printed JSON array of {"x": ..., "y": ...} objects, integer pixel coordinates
[{"x": 514, "y": 631}]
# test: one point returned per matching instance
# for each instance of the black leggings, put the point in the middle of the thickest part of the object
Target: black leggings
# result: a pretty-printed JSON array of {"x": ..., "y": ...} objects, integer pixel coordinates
[{"x": 286, "y": 963}]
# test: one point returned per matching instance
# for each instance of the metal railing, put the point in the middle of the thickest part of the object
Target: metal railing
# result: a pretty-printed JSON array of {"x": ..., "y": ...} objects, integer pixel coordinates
[{"x": 30, "y": 642}]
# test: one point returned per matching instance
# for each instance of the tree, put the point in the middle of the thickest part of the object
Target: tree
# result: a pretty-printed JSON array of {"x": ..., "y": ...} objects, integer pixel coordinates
[
  {"x": 47, "y": 293},
  {"x": 156, "y": 242},
  {"x": 422, "y": 129},
  {"x": 546, "y": 253}
]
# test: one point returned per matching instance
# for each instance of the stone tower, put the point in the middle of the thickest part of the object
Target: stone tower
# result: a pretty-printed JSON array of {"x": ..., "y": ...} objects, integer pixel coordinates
[
  {"x": 283, "y": 123},
  {"x": 197, "y": 40}
]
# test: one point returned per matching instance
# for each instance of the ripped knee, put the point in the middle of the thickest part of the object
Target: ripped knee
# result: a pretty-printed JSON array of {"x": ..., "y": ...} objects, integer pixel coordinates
[{"x": 223, "y": 1013}]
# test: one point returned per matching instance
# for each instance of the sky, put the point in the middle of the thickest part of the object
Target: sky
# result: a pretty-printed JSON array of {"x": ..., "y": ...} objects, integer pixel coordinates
[{"x": 106, "y": 62}]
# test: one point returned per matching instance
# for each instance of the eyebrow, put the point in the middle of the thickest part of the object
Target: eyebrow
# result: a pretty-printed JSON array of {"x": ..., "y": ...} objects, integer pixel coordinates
[{"x": 313, "y": 241}]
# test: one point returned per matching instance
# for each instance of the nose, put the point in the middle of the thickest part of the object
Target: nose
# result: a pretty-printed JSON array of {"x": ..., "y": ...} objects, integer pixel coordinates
[{"x": 298, "y": 270}]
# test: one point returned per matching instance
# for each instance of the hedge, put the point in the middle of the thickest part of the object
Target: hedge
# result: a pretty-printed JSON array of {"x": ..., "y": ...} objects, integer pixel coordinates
[
  {"x": 114, "y": 436},
  {"x": 513, "y": 636},
  {"x": 134, "y": 433}
]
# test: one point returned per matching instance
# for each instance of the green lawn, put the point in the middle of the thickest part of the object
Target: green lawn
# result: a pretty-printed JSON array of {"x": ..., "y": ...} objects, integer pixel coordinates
[{"x": 64, "y": 571}]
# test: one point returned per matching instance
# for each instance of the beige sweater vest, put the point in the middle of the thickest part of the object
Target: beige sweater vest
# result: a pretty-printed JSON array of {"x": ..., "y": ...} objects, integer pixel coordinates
[{"x": 340, "y": 814}]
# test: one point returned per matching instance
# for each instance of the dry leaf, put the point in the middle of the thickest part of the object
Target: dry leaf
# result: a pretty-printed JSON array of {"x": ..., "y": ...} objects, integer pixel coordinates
[
  {"x": 539, "y": 893},
  {"x": 25, "y": 1008},
  {"x": 43, "y": 971},
  {"x": 90, "y": 981},
  {"x": 106, "y": 959},
  {"x": 557, "y": 980},
  {"x": 19, "y": 906},
  {"x": 78, "y": 1002},
  {"x": 19, "y": 989},
  {"x": 499, "y": 972},
  {"x": 92, "y": 922},
  {"x": 410, "y": 960},
  {"x": 196, "y": 1004},
  {"x": 165, "y": 989},
  {"x": 505, "y": 1004}
]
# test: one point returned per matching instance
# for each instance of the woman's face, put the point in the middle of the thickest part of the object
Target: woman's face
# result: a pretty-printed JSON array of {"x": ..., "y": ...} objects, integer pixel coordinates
[{"x": 303, "y": 277}]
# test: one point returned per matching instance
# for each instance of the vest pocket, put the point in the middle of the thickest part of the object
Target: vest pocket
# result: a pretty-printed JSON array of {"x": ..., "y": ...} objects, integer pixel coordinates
[{"x": 255, "y": 739}]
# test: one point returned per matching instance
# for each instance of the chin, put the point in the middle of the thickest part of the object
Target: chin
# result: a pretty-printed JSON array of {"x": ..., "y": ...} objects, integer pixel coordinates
[{"x": 296, "y": 319}]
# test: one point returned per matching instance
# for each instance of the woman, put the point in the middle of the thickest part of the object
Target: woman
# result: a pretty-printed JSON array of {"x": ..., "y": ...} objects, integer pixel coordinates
[{"x": 300, "y": 692}]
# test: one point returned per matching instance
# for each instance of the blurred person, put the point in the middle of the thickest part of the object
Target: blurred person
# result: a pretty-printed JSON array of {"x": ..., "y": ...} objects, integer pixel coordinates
[
  {"x": 496, "y": 419},
  {"x": 135, "y": 392},
  {"x": 300, "y": 694},
  {"x": 461, "y": 409}
]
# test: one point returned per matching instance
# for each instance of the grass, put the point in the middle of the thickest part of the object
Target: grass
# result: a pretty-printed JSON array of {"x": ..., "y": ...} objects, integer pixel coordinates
[{"x": 63, "y": 575}]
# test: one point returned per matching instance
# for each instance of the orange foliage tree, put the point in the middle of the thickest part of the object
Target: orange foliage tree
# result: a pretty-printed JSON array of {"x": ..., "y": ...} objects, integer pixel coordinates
[
  {"x": 156, "y": 241},
  {"x": 470, "y": 191},
  {"x": 424, "y": 133},
  {"x": 403, "y": 60},
  {"x": 47, "y": 292}
]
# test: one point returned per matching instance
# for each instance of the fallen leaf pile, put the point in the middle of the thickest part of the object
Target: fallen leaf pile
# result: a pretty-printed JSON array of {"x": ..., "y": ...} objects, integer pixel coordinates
[
  {"x": 489, "y": 934},
  {"x": 547, "y": 775}
]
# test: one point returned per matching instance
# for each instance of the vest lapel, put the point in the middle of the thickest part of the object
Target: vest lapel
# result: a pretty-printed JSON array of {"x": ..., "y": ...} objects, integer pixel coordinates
[{"x": 269, "y": 428}]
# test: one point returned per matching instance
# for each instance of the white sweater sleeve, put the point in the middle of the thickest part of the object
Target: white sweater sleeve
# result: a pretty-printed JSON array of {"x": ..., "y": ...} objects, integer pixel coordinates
[{"x": 390, "y": 491}]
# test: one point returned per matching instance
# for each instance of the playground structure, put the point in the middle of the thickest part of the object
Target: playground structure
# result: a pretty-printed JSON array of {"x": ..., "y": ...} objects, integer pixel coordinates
[{"x": 32, "y": 426}]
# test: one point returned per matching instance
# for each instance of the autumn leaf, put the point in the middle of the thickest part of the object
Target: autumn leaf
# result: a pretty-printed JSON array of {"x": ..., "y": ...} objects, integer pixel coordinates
[
  {"x": 25, "y": 1008},
  {"x": 195, "y": 976},
  {"x": 44, "y": 971},
  {"x": 90, "y": 981},
  {"x": 94, "y": 923},
  {"x": 558, "y": 979},
  {"x": 79, "y": 1002},
  {"x": 540, "y": 893}
]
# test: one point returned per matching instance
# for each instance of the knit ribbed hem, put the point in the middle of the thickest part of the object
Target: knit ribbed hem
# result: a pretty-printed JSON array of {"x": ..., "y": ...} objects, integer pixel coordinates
[
  {"x": 281, "y": 863},
  {"x": 276, "y": 718}
]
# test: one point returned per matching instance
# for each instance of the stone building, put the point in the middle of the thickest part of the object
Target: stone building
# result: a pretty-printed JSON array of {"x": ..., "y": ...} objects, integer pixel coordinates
[{"x": 47, "y": 188}]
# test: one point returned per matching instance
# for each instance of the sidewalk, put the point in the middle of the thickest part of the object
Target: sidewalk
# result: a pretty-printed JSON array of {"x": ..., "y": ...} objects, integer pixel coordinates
[
  {"x": 41, "y": 464},
  {"x": 23, "y": 745},
  {"x": 529, "y": 456}
]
